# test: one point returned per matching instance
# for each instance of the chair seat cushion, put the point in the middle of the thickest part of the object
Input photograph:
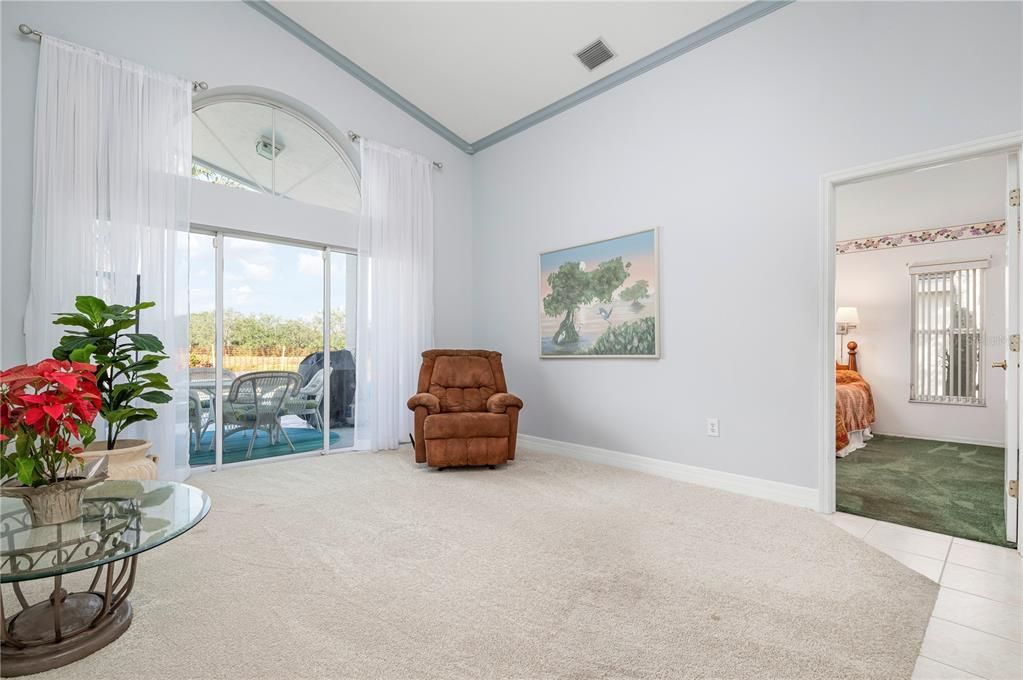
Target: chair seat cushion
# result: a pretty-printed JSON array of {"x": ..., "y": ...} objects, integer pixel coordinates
[
  {"x": 244, "y": 413},
  {"x": 299, "y": 403},
  {"x": 465, "y": 425}
]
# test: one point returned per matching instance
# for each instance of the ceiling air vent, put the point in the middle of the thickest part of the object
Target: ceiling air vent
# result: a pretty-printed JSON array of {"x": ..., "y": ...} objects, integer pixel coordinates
[{"x": 594, "y": 54}]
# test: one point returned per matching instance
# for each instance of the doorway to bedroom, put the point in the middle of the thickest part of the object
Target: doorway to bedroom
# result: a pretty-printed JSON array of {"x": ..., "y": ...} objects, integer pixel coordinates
[{"x": 926, "y": 309}]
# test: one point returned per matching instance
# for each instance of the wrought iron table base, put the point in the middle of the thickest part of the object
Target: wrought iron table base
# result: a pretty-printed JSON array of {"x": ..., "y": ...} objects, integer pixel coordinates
[{"x": 67, "y": 626}]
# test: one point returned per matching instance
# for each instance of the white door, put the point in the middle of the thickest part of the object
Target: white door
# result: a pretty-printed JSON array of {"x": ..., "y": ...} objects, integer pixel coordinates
[{"x": 1012, "y": 353}]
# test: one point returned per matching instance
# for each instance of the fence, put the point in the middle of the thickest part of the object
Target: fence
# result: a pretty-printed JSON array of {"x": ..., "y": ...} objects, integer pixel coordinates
[{"x": 248, "y": 359}]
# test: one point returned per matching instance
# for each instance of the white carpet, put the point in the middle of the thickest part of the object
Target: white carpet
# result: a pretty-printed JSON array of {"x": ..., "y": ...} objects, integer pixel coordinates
[{"x": 368, "y": 566}]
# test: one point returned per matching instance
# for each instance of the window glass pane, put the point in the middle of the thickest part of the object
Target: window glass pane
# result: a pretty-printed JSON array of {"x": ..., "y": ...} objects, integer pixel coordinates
[
  {"x": 342, "y": 345},
  {"x": 273, "y": 332},
  {"x": 309, "y": 169},
  {"x": 224, "y": 145},
  {"x": 250, "y": 145},
  {"x": 948, "y": 336},
  {"x": 201, "y": 347}
]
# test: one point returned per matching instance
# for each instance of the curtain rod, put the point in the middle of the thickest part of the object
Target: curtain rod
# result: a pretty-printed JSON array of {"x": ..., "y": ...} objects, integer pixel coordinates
[
  {"x": 355, "y": 137},
  {"x": 27, "y": 30}
]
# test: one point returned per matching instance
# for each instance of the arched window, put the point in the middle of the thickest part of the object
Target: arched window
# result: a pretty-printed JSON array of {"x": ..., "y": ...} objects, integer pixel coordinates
[{"x": 256, "y": 144}]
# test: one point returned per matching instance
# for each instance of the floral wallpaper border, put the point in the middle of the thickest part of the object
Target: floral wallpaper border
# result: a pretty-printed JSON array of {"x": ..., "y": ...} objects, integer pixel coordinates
[{"x": 914, "y": 238}]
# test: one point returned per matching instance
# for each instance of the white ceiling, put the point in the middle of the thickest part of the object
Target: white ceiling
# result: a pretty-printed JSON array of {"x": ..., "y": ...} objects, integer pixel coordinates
[
  {"x": 479, "y": 66},
  {"x": 945, "y": 196}
]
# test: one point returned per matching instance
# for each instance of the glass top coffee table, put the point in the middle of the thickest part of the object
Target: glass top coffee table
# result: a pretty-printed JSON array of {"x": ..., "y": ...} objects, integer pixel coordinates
[{"x": 121, "y": 520}]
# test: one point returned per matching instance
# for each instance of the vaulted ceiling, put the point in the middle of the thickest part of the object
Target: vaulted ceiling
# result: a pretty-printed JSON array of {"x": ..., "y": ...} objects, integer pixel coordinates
[{"x": 477, "y": 68}]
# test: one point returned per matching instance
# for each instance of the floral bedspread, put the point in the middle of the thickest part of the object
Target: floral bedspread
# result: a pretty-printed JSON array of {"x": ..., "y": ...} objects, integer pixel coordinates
[{"x": 854, "y": 406}]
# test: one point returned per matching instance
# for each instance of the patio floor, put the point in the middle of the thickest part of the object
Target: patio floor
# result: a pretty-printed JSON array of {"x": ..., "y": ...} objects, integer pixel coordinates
[{"x": 236, "y": 445}]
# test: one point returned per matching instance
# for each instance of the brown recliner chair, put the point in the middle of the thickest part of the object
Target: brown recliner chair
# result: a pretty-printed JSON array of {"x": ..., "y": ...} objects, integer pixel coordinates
[{"x": 464, "y": 414}]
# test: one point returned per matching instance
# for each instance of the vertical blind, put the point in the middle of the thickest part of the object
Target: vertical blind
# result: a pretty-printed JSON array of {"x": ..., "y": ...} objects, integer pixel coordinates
[{"x": 948, "y": 332}]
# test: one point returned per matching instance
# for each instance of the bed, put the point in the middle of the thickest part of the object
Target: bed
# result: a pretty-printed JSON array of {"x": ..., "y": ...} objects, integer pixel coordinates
[{"x": 854, "y": 406}]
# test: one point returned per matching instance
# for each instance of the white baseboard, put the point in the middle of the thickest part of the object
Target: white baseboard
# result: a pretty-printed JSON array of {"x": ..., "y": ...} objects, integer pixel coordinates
[
  {"x": 802, "y": 496},
  {"x": 953, "y": 440}
]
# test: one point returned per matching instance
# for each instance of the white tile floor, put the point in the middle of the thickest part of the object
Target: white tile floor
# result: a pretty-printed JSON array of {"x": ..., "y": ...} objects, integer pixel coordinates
[{"x": 976, "y": 628}]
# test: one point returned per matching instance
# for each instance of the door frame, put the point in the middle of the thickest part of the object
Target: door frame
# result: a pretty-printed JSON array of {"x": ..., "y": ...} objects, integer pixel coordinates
[{"x": 1007, "y": 143}]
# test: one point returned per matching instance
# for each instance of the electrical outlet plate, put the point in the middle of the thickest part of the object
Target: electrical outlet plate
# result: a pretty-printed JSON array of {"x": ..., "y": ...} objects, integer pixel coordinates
[{"x": 713, "y": 428}]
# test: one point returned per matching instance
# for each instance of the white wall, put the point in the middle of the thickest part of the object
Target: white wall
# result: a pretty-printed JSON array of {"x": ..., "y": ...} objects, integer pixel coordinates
[
  {"x": 877, "y": 284},
  {"x": 231, "y": 47},
  {"x": 723, "y": 149},
  {"x": 949, "y": 195}
]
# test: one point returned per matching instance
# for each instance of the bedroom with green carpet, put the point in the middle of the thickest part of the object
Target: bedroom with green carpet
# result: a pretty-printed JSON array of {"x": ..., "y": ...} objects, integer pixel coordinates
[
  {"x": 926, "y": 364},
  {"x": 945, "y": 487}
]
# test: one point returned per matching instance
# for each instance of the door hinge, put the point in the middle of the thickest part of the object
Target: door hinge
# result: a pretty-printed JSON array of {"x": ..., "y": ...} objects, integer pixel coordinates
[
  {"x": 1014, "y": 342},
  {"x": 1014, "y": 198},
  {"x": 1014, "y": 488}
]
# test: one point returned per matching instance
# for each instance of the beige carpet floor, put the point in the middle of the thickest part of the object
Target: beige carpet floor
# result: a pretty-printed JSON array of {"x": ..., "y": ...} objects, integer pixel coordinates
[{"x": 367, "y": 566}]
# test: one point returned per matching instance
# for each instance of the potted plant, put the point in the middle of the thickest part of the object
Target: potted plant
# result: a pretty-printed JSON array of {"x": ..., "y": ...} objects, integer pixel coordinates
[
  {"x": 46, "y": 414},
  {"x": 125, "y": 360}
]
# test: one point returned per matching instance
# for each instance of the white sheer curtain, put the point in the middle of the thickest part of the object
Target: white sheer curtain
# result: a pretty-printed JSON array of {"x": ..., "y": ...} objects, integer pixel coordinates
[
  {"x": 395, "y": 318},
  {"x": 113, "y": 154}
]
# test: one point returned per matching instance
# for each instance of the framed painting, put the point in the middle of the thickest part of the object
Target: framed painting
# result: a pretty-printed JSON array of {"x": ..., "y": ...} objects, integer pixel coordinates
[{"x": 601, "y": 299}]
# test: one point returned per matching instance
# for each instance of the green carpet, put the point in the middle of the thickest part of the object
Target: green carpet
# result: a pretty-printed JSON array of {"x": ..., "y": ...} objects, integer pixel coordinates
[{"x": 953, "y": 489}]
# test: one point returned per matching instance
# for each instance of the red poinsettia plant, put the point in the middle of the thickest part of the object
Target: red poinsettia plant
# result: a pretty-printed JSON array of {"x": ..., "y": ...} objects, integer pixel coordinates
[{"x": 46, "y": 414}]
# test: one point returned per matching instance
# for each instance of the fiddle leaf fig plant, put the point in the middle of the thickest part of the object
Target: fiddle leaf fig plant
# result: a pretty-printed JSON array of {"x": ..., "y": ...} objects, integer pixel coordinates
[{"x": 125, "y": 361}]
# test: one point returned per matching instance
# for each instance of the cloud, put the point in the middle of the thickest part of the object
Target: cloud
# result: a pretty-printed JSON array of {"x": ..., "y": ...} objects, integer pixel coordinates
[
  {"x": 241, "y": 294},
  {"x": 256, "y": 270},
  {"x": 200, "y": 300},
  {"x": 310, "y": 265}
]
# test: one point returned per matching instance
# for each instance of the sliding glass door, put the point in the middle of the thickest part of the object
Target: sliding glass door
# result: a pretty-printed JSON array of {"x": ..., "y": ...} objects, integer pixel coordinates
[
  {"x": 343, "y": 281},
  {"x": 264, "y": 315},
  {"x": 203, "y": 356}
]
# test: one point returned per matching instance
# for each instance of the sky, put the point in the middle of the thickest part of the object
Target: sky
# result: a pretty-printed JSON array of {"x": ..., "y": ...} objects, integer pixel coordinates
[{"x": 264, "y": 278}]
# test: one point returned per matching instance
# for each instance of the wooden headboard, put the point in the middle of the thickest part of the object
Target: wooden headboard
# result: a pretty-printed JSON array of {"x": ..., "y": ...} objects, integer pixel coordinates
[{"x": 851, "y": 366}]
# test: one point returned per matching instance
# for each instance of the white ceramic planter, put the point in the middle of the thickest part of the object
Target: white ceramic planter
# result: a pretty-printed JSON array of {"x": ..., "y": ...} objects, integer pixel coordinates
[
  {"x": 127, "y": 460},
  {"x": 53, "y": 503}
]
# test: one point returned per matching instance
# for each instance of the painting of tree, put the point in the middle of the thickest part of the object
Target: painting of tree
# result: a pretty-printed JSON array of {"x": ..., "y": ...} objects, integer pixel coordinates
[
  {"x": 586, "y": 307},
  {"x": 635, "y": 293},
  {"x": 571, "y": 287}
]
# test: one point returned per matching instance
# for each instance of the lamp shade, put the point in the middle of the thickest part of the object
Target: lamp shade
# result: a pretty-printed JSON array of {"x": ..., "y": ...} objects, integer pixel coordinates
[{"x": 847, "y": 315}]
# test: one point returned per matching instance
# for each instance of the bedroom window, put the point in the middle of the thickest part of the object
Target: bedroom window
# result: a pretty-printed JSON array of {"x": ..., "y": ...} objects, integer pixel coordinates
[{"x": 948, "y": 332}]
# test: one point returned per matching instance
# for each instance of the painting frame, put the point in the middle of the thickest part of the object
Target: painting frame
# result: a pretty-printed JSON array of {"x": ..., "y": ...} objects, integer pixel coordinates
[{"x": 656, "y": 280}]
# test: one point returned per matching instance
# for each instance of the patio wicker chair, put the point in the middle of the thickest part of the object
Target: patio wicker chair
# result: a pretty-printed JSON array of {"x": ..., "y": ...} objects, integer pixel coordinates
[
  {"x": 204, "y": 373},
  {"x": 256, "y": 402},
  {"x": 202, "y": 380},
  {"x": 198, "y": 419},
  {"x": 306, "y": 404}
]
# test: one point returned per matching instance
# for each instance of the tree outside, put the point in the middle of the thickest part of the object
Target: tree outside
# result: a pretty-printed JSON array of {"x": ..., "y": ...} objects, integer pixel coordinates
[{"x": 261, "y": 341}]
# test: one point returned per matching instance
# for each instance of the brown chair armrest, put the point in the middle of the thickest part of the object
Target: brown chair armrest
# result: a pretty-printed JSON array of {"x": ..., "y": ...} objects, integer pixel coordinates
[
  {"x": 502, "y": 401},
  {"x": 425, "y": 399}
]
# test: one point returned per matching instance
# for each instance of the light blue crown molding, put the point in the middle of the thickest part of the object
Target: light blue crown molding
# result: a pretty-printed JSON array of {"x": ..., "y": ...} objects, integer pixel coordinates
[
  {"x": 716, "y": 29},
  {"x": 346, "y": 64}
]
